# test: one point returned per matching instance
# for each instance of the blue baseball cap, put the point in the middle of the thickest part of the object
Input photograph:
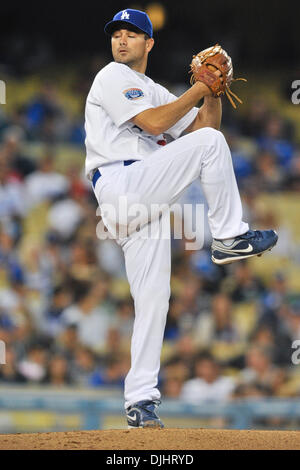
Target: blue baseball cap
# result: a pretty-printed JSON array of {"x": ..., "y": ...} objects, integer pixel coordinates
[{"x": 136, "y": 18}]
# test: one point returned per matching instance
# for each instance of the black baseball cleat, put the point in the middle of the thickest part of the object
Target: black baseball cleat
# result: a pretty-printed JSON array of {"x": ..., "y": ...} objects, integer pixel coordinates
[
  {"x": 251, "y": 243},
  {"x": 142, "y": 415}
]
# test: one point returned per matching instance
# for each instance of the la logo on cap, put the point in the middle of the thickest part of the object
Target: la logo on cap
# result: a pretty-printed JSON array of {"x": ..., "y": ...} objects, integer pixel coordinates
[{"x": 125, "y": 15}]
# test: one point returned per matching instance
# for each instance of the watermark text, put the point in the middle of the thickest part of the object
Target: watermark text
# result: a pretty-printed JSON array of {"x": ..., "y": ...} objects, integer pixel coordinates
[
  {"x": 119, "y": 221},
  {"x": 2, "y": 352},
  {"x": 296, "y": 94},
  {"x": 296, "y": 354},
  {"x": 2, "y": 92}
]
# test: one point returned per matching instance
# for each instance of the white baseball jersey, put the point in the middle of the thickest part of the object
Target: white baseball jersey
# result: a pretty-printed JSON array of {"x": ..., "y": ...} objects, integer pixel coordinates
[
  {"x": 160, "y": 177},
  {"x": 119, "y": 93}
]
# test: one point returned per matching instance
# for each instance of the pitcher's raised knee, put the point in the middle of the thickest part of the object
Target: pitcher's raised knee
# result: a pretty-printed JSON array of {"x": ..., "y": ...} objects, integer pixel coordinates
[{"x": 210, "y": 134}]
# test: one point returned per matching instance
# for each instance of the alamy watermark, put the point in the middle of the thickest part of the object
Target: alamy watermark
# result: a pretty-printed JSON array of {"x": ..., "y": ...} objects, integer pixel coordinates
[
  {"x": 2, "y": 92},
  {"x": 126, "y": 219},
  {"x": 296, "y": 94},
  {"x": 296, "y": 354},
  {"x": 2, "y": 353}
]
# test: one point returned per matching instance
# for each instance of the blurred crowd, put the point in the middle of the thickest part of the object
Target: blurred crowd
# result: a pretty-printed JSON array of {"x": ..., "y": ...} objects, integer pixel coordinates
[{"x": 66, "y": 314}]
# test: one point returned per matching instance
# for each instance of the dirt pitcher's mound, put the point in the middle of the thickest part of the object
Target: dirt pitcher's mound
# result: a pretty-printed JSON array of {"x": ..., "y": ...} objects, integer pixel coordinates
[{"x": 154, "y": 439}]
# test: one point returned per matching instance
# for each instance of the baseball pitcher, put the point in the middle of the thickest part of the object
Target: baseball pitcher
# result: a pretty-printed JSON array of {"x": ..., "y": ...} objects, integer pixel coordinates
[{"x": 129, "y": 164}]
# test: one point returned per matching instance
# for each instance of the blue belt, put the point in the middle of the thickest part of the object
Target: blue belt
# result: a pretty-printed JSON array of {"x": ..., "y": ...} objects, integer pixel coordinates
[{"x": 97, "y": 173}]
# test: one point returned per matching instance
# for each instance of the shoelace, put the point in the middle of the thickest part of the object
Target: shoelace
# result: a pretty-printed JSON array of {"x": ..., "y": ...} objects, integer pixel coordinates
[
  {"x": 150, "y": 407},
  {"x": 254, "y": 234}
]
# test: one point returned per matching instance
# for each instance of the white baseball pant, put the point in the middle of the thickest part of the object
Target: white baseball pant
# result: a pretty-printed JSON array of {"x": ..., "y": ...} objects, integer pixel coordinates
[{"x": 160, "y": 179}]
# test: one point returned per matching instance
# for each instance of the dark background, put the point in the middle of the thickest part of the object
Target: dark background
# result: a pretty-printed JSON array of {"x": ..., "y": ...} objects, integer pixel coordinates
[{"x": 258, "y": 34}]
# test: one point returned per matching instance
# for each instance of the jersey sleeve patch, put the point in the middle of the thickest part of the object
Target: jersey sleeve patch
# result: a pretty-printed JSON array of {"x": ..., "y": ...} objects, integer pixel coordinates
[{"x": 133, "y": 93}]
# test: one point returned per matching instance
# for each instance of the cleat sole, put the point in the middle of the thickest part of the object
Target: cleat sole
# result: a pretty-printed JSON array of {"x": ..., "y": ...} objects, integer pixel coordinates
[
  {"x": 150, "y": 424},
  {"x": 221, "y": 262}
]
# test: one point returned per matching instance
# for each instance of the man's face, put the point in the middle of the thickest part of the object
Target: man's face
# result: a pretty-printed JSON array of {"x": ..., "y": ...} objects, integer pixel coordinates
[{"x": 129, "y": 47}]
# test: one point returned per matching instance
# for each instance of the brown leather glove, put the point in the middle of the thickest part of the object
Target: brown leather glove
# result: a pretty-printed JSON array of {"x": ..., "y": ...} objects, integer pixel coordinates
[{"x": 203, "y": 66}]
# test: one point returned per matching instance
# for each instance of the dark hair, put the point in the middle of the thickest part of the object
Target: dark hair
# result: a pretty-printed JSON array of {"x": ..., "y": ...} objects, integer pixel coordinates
[{"x": 205, "y": 356}]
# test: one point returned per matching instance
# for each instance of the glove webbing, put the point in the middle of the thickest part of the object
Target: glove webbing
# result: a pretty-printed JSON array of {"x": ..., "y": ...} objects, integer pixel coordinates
[{"x": 229, "y": 93}]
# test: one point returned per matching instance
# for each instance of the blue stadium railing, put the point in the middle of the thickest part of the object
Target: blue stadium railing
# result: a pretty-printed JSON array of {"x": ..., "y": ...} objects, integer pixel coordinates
[{"x": 240, "y": 414}]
